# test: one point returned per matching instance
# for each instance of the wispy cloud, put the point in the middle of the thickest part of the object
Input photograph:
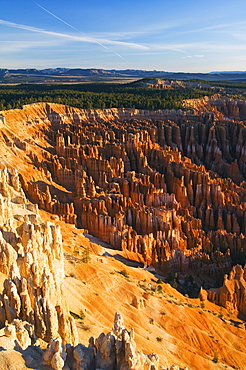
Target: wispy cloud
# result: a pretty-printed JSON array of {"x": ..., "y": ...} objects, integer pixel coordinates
[
  {"x": 74, "y": 37},
  {"x": 239, "y": 36},
  {"x": 199, "y": 47},
  {"x": 193, "y": 56},
  {"x": 221, "y": 27},
  {"x": 7, "y": 47},
  {"x": 171, "y": 47}
]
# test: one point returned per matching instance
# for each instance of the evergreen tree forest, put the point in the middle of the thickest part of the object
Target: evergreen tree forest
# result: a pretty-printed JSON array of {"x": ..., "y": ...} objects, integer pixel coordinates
[{"x": 96, "y": 96}]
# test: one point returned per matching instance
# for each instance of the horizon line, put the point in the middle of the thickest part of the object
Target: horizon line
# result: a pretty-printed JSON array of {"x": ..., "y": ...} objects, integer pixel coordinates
[{"x": 112, "y": 69}]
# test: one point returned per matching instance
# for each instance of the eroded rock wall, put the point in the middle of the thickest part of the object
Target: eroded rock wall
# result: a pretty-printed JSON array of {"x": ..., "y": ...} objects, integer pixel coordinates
[
  {"x": 32, "y": 262},
  {"x": 168, "y": 184},
  {"x": 115, "y": 350},
  {"x": 232, "y": 295},
  {"x": 153, "y": 186}
]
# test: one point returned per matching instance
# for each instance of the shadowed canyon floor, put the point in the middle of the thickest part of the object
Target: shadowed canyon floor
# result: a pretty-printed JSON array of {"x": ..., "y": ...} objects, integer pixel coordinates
[{"x": 160, "y": 189}]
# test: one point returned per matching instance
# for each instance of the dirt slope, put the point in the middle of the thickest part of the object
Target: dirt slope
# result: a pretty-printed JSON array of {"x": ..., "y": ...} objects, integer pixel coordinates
[{"x": 165, "y": 322}]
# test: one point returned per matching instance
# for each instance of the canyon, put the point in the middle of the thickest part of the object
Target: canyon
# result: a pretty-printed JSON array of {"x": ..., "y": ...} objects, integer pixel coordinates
[{"x": 163, "y": 191}]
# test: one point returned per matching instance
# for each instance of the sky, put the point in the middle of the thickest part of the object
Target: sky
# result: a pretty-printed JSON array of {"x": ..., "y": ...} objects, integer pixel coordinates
[{"x": 166, "y": 35}]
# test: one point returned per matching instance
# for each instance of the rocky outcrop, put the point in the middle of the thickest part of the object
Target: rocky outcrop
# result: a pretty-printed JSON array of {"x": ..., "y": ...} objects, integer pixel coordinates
[
  {"x": 115, "y": 350},
  {"x": 232, "y": 295},
  {"x": 168, "y": 185},
  {"x": 234, "y": 109},
  {"x": 158, "y": 83},
  {"x": 17, "y": 335},
  {"x": 32, "y": 261},
  {"x": 132, "y": 185},
  {"x": 221, "y": 106},
  {"x": 32, "y": 303},
  {"x": 55, "y": 355}
]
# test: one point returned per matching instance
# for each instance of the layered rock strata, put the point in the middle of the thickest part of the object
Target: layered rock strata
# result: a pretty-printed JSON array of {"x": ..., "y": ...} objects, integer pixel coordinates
[
  {"x": 221, "y": 106},
  {"x": 31, "y": 267},
  {"x": 232, "y": 295},
  {"x": 168, "y": 184},
  {"x": 32, "y": 302},
  {"x": 115, "y": 350}
]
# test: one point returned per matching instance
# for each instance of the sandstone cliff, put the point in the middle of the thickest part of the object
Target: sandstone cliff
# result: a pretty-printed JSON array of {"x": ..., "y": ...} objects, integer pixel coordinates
[
  {"x": 168, "y": 184},
  {"x": 165, "y": 187},
  {"x": 232, "y": 295},
  {"x": 31, "y": 266},
  {"x": 33, "y": 308}
]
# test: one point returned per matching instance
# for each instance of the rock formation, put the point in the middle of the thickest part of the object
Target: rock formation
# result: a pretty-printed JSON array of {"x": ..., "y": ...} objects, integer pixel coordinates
[
  {"x": 32, "y": 302},
  {"x": 32, "y": 261},
  {"x": 115, "y": 350},
  {"x": 221, "y": 106},
  {"x": 232, "y": 295},
  {"x": 168, "y": 184}
]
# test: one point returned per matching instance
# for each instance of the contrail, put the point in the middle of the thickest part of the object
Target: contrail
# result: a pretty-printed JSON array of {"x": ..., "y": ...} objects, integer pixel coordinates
[
  {"x": 118, "y": 55},
  {"x": 69, "y": 25},
  {"x": 72, "y": 37},
  {"x": 59, "y": 18}
]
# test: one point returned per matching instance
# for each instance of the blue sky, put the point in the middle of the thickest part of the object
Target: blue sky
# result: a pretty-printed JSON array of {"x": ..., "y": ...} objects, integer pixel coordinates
[{"x": 189, "y": 36}]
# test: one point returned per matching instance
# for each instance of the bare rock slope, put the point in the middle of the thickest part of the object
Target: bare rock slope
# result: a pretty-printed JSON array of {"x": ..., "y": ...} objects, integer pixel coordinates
[
  {"x": 33, "y": 307},
  {"x": 163, "y": 188},
  {"x": 167, "y": 185}
]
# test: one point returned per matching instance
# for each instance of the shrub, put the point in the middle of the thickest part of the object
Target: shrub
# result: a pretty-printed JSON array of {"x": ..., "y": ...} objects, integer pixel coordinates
[
  {"x": 124, "y": 273},
  {"x": 170, "y": 277},
  {"x": 216, "y": 358},
  {"x": 221, "y": 313},
  {"x": 74, "y": 315},
  {"x": 188, "y": 279},
  {"x": 76, "y": 251},
  {"x": 86, "y": 255},
  {"x": 81, "y": 316},
  {"x": 73, "y": 274},
  {"x": 202, "y": 305},
  {"x": 175, "y": 284}
]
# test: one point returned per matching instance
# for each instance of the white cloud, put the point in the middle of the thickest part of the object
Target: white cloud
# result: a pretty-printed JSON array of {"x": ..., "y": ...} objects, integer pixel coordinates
[
  {"x": 16, "y": 46},
  {"x": 70, "y": 37},
  {"x": 199, "y": 47}
]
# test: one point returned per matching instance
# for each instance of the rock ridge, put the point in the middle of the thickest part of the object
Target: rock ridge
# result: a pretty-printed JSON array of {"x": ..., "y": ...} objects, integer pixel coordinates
[
  {"x": 166, "y": 185},
  {"x": 32, "y": 263}
]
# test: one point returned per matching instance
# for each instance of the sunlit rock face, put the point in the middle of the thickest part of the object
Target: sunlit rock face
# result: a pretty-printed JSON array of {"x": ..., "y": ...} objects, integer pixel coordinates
[
  {"x": 115, "y": 350},
  {"x": 32, "y": 303},
  {"x": 32, "y": 263},
  {"x": 232, "y": 295},
  {"x": 168, "y": 185}
]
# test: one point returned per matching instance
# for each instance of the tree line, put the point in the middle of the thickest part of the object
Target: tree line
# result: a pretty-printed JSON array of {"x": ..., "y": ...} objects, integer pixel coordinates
[{"x": 96, "y": 96}]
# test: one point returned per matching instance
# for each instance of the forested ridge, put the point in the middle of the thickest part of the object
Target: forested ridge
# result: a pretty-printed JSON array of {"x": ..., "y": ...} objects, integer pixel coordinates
[{"x": 96, "y": 96}]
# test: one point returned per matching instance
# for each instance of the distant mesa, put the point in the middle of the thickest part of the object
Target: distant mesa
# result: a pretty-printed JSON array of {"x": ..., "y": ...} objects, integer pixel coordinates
[{"x": 94, "y": 73}]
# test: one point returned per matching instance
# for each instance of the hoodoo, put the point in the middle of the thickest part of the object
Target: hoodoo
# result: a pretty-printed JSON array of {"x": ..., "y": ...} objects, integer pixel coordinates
[
  {"x": 169, "y": 187},
  {"x": 164, "y": 189}
]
